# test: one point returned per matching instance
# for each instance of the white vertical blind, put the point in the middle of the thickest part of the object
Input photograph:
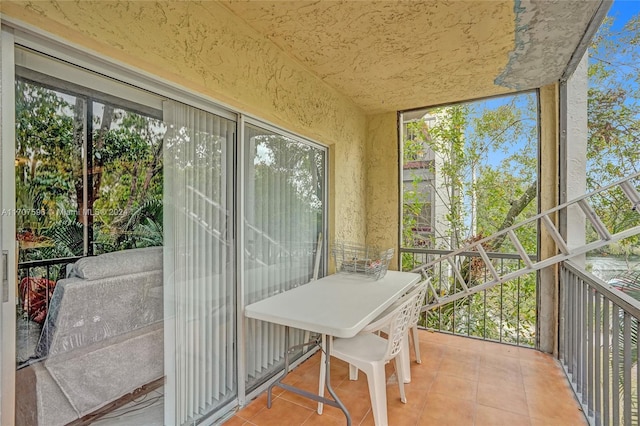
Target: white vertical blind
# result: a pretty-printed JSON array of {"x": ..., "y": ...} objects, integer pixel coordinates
[
  {"x": 200, "y": 358},
  {"x": 283, "y": 217}
]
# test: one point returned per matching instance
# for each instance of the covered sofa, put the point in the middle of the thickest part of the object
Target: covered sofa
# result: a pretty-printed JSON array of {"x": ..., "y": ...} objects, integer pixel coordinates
[{"x": 102, "y": 338}]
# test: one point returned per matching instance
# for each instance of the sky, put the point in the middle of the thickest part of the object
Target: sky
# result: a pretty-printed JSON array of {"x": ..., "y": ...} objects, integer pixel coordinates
[{"x": 622, "y": 10}]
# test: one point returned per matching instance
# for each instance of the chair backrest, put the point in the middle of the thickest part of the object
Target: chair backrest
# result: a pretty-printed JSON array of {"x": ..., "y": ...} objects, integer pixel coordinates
[
  {"x": 421, "y": 292},
  {"x": 399, "y": 323}
]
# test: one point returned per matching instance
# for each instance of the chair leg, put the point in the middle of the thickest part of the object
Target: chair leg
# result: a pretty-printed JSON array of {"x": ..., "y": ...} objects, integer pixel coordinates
[
  {"x": 399, "y": 372},
  {"x": 416, "y": 343},
  {"x": 378, "y": 393},
  {"x": 403, "y": 357},
  {"x": 353, "y": 372}
]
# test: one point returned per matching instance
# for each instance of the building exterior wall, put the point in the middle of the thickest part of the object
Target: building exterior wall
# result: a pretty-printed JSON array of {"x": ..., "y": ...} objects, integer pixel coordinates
[
  {"x": 432, "y": 182},
  {"x": 212, "y": 52},
  {"x": 423, "y": 178}
]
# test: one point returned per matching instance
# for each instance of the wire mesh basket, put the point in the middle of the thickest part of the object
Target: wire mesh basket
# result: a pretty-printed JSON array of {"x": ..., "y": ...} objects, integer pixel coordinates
[{"x": 361, "y": 259}]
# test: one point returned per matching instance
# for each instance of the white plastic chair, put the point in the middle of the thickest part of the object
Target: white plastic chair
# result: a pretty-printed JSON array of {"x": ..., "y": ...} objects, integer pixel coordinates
[
  {"x": 419, "y": 291},
  {"x": 413, "y": 325},
  {"x": 369, "y": 352}
]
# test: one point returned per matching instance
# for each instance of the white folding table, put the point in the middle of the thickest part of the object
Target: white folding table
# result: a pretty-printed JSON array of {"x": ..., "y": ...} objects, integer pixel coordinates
[{"x": 338, "y": 305}]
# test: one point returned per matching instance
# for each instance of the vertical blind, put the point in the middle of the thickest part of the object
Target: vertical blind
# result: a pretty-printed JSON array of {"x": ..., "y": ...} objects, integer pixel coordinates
[
  {"x": 200, "y": 356},
  {"x": 283, "y": 217}
]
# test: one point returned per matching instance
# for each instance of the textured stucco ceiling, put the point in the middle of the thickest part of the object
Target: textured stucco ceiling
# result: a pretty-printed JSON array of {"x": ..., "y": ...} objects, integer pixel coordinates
[{"x": 399, "y": 55}]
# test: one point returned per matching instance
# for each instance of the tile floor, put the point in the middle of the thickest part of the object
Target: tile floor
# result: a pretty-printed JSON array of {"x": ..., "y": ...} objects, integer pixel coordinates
[{"x": 461, "y": 382}]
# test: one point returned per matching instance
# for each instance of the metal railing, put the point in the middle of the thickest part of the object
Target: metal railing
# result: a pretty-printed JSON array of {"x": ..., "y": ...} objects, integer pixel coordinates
[
  {"x": 505, "y": 313},
  {"x": 36, "y": 281},
  {"x": 599, "y": 347},
  {"x": 50, "y": 269}
]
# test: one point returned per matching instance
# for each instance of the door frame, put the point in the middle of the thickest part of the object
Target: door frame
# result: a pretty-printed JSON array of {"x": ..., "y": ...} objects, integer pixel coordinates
[
  {"x": 15, "y": 33},
  {"x": 7, "y": 230}
]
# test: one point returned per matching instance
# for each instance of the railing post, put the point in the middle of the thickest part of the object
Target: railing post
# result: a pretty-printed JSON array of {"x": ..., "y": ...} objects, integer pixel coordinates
[
  {"x": 597, "y": 407},
  {"x": 606, "y": 393},
  {"x": 591, "y": 348}
]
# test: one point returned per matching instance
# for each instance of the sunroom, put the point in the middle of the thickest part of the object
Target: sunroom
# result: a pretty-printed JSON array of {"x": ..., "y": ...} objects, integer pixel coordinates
[{"x": 166, "y": 164}]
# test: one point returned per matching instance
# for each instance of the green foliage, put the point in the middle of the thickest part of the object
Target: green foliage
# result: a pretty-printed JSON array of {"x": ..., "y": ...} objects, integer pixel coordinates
[
  {"x": 67, "y": 236},
  {"x": 477, "y": 191},
  {"x": 144, "y": 226},
  {"x": 482, "y": 196},
  {"x": 47, "y": 155},
  {"x": 126, "y": 172},
  {"x": 414, "y": 147},
  {"x": 614, "y": 121},
  {"x": 447, "y": 139}
]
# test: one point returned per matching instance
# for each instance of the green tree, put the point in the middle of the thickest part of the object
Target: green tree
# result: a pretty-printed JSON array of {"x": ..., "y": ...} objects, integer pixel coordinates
[
  {"x": 612, "y": 150},
  {"x": 125, "y": 174},
  {"x": 47, "y": 153},
  {"x": 614, "y": 122},
  {"x": 484, "y": 195}
]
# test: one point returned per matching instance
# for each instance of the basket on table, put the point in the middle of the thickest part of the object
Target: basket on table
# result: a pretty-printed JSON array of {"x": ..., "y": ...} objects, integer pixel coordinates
[{"x": 361, "y": 259}]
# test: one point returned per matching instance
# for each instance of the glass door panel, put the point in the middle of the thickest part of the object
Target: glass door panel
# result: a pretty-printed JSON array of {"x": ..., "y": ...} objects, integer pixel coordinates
[
  {"x": 200, "y": 306},
  {"x": 88, "y": 331},
  {"x": 283, "y": 219},
  {"x": 124, "y": 207}
]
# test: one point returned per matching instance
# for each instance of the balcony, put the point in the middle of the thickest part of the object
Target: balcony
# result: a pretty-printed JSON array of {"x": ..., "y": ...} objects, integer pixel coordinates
[
  {"x": 461, "y": 381},
  {"x": 342, "y": 84},
  {"x": 466, "y": 380}
]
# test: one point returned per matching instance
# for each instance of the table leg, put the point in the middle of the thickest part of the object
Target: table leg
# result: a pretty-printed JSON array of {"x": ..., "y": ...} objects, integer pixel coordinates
[
  {"x": 327, "y": 375},
  {"x": 335, "y": 402}
]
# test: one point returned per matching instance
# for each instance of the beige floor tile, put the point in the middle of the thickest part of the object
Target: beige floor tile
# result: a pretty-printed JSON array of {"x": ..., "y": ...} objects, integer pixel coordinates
[
  {"x": 236, "y": 421},
  {"x": 503, "y": 396},
  {"x": 358, "y": 404},
  {"x": 253, "y": 407},
  {"x": 461, "y": 382},
  {"x": 444, "y": 410},
  {"x": 491, "y": 416},
  {"x": 282, "y": 413},
  {"x": 452, "y": 386}
]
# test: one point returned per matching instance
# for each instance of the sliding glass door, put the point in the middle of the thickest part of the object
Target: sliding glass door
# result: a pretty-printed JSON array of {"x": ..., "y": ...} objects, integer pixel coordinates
[
  {"x": 200, "y": 360},
  {"x": 96, "y": 173},
  {"x": 283, "y": 220}
]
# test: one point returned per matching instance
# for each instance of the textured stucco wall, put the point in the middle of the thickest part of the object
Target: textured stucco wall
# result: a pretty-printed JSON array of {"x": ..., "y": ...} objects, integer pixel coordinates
[
  {"x": 208, "y": 49},
  {"x": 383, "y": 198},
  {"x": 393, "y": 55},
  {"x": 546, "y": 34},
  {"x": 576, "y": 122},
  {"x": 549, "y": 172}
]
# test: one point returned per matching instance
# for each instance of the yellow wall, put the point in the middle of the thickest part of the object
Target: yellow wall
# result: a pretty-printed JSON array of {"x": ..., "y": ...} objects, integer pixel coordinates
[
  {"x": 212, "y": 52},
  {"x": 383, "y": 198},
  {"x": 549, "y": 174}
]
